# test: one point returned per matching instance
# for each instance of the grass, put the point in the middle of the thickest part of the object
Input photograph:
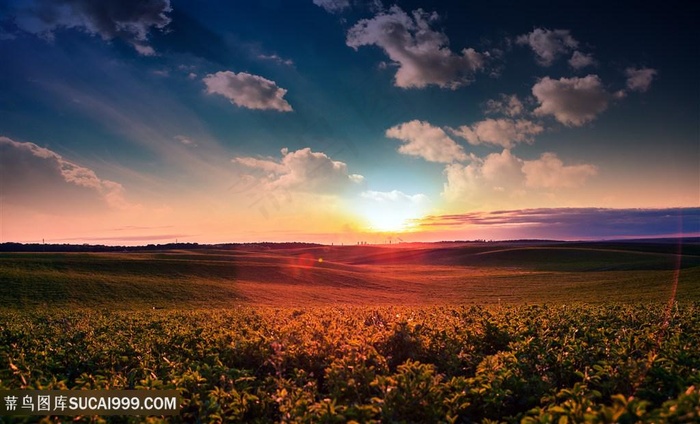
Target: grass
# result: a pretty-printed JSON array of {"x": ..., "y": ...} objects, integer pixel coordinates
[
  {"x": 487, "y": 273},
  {"x": 111, "y": 280}
]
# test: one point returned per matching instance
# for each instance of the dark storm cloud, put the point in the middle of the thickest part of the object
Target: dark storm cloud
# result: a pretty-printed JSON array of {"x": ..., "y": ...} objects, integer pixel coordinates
[
  {"x": 421, "y": 54},
  {"x": 34, "y": 175},
  {"x": 128, "y": 20},
  {"x": 581, "y": 222}
]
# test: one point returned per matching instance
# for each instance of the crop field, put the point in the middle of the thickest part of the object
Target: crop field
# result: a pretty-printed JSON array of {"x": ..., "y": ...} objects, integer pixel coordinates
[{"x": 515, "y": 333}]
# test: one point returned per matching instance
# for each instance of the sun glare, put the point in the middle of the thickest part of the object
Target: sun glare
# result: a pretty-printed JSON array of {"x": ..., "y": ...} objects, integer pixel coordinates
[
  {"x": 389, "y": 212},
  {"x": 385, "y": 220}
]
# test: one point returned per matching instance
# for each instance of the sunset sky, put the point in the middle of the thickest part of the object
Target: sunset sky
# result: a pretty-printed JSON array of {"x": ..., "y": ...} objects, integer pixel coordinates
[{"x": 334, "y": 121}]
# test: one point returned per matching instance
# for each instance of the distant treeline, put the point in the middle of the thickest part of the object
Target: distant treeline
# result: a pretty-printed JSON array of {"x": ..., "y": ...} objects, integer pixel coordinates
[
  {"x": 66, "y": 247},
  {"x": 685, "y": 246},
  {"x": 40, "y": 247},
  {"x": 500, "y": 241}
]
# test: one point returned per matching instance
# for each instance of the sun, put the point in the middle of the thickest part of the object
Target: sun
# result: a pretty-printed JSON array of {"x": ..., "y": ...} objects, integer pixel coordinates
[
  {"x": 389, "y": 212},
  {"x": 389, "y": 222},
  {"x": 387, "y": 218}
]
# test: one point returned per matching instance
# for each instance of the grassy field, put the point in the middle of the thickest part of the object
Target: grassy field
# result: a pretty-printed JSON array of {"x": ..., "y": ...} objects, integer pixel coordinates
[{"x": 423, "y": 274}]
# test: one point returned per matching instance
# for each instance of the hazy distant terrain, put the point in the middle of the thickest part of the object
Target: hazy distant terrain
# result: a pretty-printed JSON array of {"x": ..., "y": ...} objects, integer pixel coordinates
[{"x": 406, "y": 274}]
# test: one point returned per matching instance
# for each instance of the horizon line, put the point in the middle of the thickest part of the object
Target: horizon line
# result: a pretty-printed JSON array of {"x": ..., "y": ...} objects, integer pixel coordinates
[{"x": 670, "y": 238}]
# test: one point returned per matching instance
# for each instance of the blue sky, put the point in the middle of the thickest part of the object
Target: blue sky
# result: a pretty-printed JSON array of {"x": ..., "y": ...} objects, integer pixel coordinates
[{"x": 326, "y": 120}]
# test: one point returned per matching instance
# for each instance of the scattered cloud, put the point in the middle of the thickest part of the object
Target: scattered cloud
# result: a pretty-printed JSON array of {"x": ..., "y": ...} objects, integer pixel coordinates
[
  {"x": 267, "y": 165},
  {"x": 426, "y": 141},
  {"x": 249, "y": 91},
  {"x": 161, "y": 73},
  {"x": 502, "y": 170},
  {"x": 572, "y": 101},
  {"x": 506, "y": 175},
  {"x": 581, "y": 60},
  {"x": 28, "y": 168},
  {"x": 550, "y": 172},
  {"x": 186, "y": 141},
  {"x": 130, "y": 21},
  {"x": 639, "y": 79},
  {"x": 277, "y": 59},
  {"x": 506, "y": 105},
  {"x": 548, "y": 45},
  {"x": 500, "y": 132},
  {"x": 496, "y": 175},
  {"x": 303, "y": 170},
  {"x": 394, "y": 196},
  {"x": 422, "y": 54},
  {"x": 332, "y": 6},
  {"x": 144, "y": 50}
]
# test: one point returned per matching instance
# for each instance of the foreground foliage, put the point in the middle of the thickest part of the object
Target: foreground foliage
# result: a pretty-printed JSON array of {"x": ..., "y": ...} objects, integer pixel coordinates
[{"x": 530, "y": 364}]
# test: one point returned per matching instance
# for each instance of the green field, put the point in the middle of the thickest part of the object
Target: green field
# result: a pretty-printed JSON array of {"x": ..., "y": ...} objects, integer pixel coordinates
[
  {"x": 454, "y": 333},
  {"x": 486, "y": 273}
]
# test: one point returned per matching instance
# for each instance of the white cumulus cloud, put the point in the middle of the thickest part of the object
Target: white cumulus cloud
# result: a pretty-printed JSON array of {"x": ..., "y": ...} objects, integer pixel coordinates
[
  {"x": 247, "y": 90},
  {"x": 303, "y": 170},
  {"x": 639, "y": 79},
  {"x": 547, "y": 44},
  {"x": 422, "y": 54},
  {"x": 581, "y": 60},
  {"x": 550, "y": 172},
  {"x": 500, "y": 132},
  {"x": 502, "y": 176},
  {"x": 505, "y": 105},
  {"x": 484, "y": 180},
  {"x": 572, "y": 101},
  {"x": 426, "y": 141}
]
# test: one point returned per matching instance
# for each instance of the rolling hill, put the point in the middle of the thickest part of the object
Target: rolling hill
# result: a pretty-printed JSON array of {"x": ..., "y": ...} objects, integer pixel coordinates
[{"x": 412, "y": 274}]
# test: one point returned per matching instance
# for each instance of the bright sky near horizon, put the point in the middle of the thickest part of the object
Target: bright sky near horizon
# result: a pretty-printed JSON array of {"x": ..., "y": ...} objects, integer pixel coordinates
[{"x": 333, "y": 121}]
